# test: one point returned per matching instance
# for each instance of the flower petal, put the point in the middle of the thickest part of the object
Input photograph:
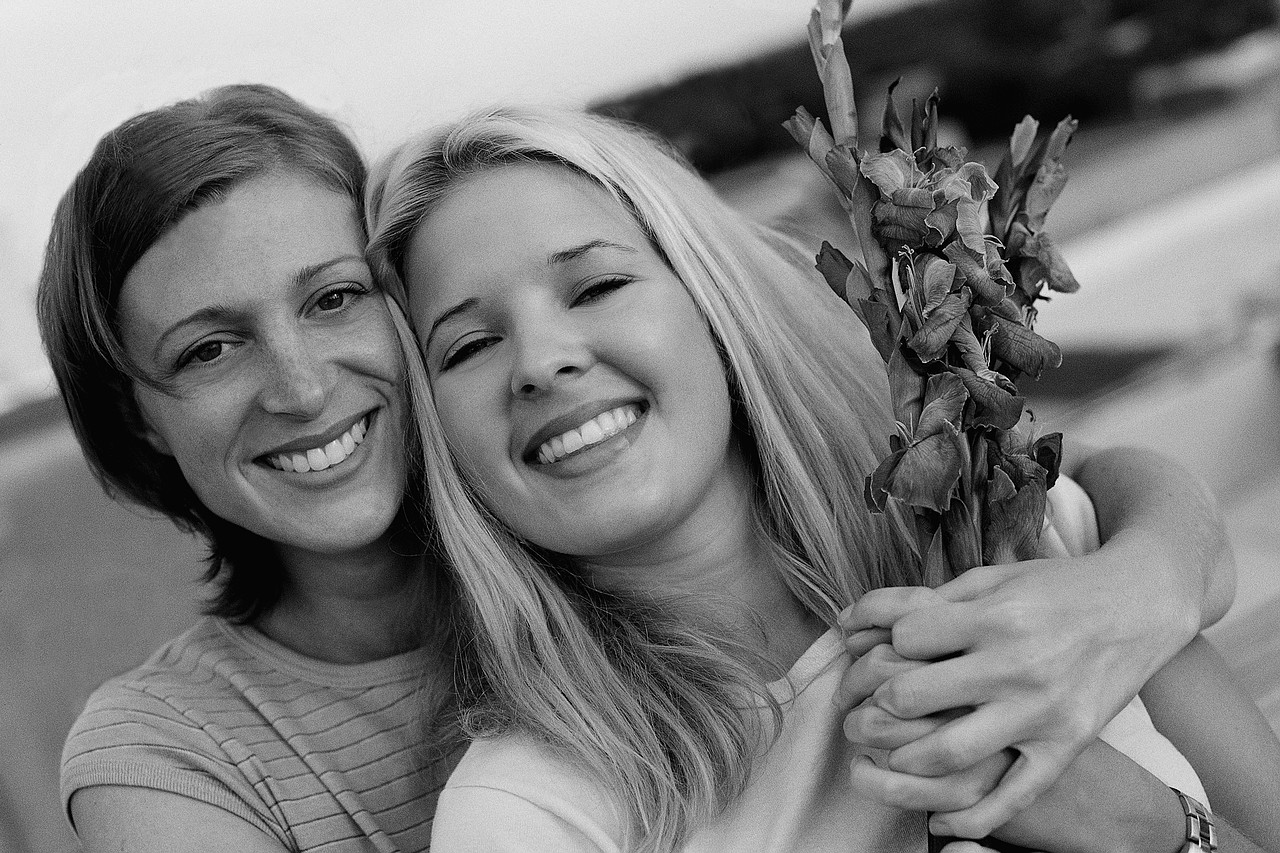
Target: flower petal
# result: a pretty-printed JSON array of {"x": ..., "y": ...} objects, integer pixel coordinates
[
  {"x": 893, "y": 170},
  {"x": 835, "y": 269},
  {"x": 1022, "y": 348},
  {"x": 996, "y": 407},
  {"x": 944, "y": 397},
  {"x": 927, "y": 472},
  {"x": 930, "y": 342}
]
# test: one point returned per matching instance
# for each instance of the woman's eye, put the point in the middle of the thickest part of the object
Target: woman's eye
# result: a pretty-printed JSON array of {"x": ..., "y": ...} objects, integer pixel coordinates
[
  {"x": 464, "y": 351},
  {"x": 598, "y": 290},
  {"x": 333, "y": 300},
  {"x": 205, "y": 352}
]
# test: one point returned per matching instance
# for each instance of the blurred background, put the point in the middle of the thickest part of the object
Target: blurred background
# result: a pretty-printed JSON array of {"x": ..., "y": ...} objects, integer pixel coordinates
[{"x": 1171, "y": 222}]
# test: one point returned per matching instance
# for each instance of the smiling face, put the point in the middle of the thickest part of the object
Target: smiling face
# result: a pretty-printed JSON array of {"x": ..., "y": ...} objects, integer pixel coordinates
[
  {"x": 573, "y": 375},
  {"x": 284, "y": 403}
]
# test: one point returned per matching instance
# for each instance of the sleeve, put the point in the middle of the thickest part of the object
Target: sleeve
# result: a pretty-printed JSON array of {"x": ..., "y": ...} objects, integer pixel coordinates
[
  {"x": 128, "y": 736},
  {"x": 477, "y": 819}
]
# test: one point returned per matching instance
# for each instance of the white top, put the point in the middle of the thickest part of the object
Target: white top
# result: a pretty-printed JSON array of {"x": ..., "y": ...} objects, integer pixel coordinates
[{"x": 513, "y": 793}]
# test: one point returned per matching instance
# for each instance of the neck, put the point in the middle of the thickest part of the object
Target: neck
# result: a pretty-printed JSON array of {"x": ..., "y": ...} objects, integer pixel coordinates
[
  {"x": 348, "y": 608},
  {"x": 719, "y": 562}
]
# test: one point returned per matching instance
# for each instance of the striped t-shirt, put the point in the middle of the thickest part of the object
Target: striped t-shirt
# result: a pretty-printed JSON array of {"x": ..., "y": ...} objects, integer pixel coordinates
[{"x": 321, "y": 756}]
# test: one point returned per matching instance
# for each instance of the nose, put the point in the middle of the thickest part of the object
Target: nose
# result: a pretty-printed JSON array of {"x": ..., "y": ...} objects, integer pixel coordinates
[
  {"x": 546, "y": 354},
  {"x": 296, "y": 381}
]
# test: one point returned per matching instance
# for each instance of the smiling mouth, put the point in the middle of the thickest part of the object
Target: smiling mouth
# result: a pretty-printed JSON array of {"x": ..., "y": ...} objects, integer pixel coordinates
[
  {"x": 603, "y": 426},
  {"x": 320, "y": 458}
]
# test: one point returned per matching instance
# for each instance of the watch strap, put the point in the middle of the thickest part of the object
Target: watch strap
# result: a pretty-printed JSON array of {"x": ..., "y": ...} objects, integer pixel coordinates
[{"x": 1201, "y": 836}]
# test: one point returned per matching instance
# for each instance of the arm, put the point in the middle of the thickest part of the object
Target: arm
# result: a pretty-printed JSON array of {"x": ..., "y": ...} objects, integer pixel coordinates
[
  {"x": 1046, "y": 651},
  {"x": 1197, "y": 705},
  {"x": 110, "y": 818},
  {"x": 1104, "y": 801},
  {"x": 1142, "y": 496}
]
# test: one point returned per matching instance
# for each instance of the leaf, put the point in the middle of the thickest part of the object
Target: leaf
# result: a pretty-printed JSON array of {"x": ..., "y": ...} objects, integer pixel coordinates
[
  {"x": 842, "y": 166},
  {"x": 859, "y": 194},
  {"x": 936, "y": 570},
  {"x": 962, "y": 538},
  {"x": 835, "y": 268},
  {"x": 1050, "y": 178},
  {"x": 1023, "y": 137},
  {"x": 894, "y": 135},
  {"x": 859, "y": 284},
  {"x": 833, "y": 68},
  {"x": 882, "y": 325},
  {"x": 930, "y": 139},
  {"x": 906, "y": 388},
  {"x": 1057, "y": 273},
  {"x": 1058, "y": 140},
  {"x": 812, "y": 136}
]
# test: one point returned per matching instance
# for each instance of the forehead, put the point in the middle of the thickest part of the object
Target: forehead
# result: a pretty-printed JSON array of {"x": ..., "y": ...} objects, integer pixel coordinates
[
  {"x": 246, "y": 244},
  {"x": 509, "y": 217}
]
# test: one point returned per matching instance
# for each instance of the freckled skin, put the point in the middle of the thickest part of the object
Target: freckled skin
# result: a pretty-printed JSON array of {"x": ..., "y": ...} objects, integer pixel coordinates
[{"x": 286, "y": 358}]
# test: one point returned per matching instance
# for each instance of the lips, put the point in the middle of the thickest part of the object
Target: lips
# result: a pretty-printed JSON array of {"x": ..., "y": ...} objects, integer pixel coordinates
[
  {"x": 324, "y": 456},
  {"x": 589, "y": 433}
]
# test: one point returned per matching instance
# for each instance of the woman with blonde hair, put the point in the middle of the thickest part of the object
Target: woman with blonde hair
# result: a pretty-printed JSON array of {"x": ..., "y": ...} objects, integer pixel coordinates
[{"x": 646, "y": 429}]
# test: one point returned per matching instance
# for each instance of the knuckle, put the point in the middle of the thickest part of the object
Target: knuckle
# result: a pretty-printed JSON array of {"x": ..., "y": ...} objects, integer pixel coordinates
[{"x": 899, "y": 697}]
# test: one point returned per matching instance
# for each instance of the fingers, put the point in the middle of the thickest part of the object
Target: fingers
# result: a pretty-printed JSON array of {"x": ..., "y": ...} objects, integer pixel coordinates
[
  {"x": 949, "y": 794},
  {"x": 860, "y": 642},
  {"x": 868, "y": 673},
  {"x": 1021, "y": 785},
  {"x": 922, "y": 688},
  {"x": 870, "y": 725},
  {"x": 880, "y": 608},
  {"x": 938, "y": 631},
  {"x": 976, "y": 582},
  {"x": 963, "y": 742}
]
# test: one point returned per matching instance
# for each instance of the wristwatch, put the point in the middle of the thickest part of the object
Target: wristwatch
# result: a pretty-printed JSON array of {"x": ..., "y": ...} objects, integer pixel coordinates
[{"x": 1201, "y": 836}]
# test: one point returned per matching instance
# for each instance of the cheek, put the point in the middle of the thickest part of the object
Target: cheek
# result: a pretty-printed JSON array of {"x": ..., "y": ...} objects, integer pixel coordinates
[{"x": 471, "y": 432}]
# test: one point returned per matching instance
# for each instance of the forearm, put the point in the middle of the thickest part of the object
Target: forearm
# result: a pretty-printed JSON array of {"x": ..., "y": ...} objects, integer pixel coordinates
[
  {"x": 1147, "y": 501},
  {"x": 1105, "y": 803}
]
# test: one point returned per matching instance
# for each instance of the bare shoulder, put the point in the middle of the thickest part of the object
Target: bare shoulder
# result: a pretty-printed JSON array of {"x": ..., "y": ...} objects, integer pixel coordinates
[{"x": 144, "y": 820}]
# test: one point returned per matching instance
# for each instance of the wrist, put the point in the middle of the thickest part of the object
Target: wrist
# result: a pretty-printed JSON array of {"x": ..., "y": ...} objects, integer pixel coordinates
[{"x": 1165, "y": 828}]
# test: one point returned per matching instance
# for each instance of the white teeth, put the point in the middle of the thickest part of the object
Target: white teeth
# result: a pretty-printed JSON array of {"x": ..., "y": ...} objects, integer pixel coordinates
[
  {"x": 602, "y": 426},
  {"x": 316, "y": 459},
  {"x": 320, "y": 458}
]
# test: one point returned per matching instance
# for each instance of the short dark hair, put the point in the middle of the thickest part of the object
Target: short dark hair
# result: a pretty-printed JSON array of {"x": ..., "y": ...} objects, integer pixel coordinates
[{"x": 142, "y": 178}]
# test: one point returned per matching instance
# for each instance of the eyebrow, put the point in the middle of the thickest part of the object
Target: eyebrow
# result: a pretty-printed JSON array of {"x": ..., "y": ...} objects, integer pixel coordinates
[
  {"x": 225, "y": 314},
  {"x": 572, "y": 254}
]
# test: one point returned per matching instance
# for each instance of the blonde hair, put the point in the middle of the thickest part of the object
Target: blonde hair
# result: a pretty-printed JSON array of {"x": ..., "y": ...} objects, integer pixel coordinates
[{"x": 649, "y": 703}]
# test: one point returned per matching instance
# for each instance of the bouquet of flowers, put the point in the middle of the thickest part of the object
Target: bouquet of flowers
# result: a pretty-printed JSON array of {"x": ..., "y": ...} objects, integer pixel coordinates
[{"x": 952, "y": 266}]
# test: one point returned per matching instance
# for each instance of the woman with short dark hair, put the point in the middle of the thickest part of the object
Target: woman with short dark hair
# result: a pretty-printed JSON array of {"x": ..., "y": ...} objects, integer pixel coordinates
[{"x": 228, "y": 359}]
